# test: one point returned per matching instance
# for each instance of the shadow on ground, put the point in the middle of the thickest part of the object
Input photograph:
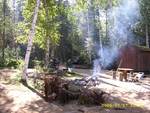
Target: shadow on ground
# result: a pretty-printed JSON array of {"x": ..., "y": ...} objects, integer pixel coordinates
[{"x": 5, "y": 102}]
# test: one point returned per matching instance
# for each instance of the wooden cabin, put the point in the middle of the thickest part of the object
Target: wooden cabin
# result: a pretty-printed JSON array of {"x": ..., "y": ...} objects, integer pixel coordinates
[{"x": 135, "y": 57}]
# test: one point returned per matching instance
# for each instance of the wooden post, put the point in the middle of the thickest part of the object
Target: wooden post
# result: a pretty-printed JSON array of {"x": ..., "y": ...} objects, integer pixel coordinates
[
  {"x": 121, "y": 76},
  {"x": 125, "y": 75},
  {"x": 114, "y": 74}
]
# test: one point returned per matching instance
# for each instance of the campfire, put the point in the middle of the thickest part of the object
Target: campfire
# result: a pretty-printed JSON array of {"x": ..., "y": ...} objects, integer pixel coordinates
[{"x": 88, "y": 81}]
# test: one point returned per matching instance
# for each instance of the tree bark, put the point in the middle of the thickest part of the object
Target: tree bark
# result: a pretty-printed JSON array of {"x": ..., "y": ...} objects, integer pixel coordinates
[
  {"x": 106, "y": 24},
  {"x": 108, "y": 9},
  {"x": 47, "y": 53},
  {"x": 15, "y": 46},
  {"x": 110, "y": 4},
  {"x": 3, "y": 37},
  {"x": 147, "y": 35},
  {"x": 48, "y": 40},
  {"x": 30, "y": 41}
]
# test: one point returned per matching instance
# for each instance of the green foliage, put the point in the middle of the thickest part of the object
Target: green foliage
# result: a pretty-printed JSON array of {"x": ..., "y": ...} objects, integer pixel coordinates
[
  {"x": 84, "y": 58},
  {"x": 12, "y": 63},
  {"x": 102, "y": 4},
  {"x": 38, "y": 65},
  {"x": 145, "y": 10},
  {"x": 10, "y": 59},
  {"x": 57, "y": 22},
  {"x": 139, "y": 28},
  {"x": 15, "y": 79},
  {"x": 47, "y": 24},
  {"x": 6, "y": 30}
]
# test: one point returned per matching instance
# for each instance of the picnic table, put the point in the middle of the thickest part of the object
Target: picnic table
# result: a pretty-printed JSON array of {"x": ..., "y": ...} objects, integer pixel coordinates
[{"x": 124, "y": 71}]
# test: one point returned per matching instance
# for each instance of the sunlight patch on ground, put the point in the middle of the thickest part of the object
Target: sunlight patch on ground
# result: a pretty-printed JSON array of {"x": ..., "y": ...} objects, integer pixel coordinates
[
  {"x": 129, "y": 92},
  {"x": 21, "y": 96}
]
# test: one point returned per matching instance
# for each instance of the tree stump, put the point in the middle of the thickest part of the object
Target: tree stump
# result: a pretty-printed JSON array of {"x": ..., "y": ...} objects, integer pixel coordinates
[{"x": 52, "y": 85}]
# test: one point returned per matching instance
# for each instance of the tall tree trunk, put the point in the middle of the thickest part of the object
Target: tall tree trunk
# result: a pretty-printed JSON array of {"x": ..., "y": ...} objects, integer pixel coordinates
[
  {"x": 15, "y": 46},
  {"x": 110, "y": 4},
  {"x": 147, "y": 37},
  {"x": 47, "y": 53},
  {"x": 88, "y": 36},
  {"x": 52, "y": 51},
  {"x": 3, "y": 37},
  {"x": 106, "y": 24},
  {"x": 30, "y": 41},
  {"x": 108, "y": 9},
  {"x": 48, "y": 40}
]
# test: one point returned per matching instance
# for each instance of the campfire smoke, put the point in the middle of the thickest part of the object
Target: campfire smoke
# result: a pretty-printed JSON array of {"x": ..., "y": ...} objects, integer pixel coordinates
[{"x": 121, "y": 20}]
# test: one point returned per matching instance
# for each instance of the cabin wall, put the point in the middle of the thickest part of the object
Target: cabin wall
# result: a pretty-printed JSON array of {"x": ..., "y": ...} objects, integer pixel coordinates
[
  {"x": 133, "y": 57},
  {"x": 144, "y": 61},
  {"x": 129, "y": 58}
]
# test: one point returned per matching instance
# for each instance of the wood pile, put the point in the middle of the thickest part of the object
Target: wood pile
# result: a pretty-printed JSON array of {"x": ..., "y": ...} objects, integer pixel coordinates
[{"x": 65, "y": 91}]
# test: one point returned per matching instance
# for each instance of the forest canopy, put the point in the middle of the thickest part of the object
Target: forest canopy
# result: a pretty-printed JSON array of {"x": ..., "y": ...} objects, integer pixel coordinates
[{"x": 62, "y": 29}]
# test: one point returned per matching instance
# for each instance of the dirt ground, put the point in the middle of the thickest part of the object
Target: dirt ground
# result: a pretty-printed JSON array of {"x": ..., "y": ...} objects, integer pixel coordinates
[{"x": 20, "y": 99}]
